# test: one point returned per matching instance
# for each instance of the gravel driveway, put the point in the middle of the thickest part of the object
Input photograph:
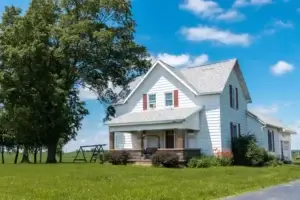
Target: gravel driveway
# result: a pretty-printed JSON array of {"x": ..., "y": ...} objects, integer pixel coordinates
[{"x": 288, "y": 191}]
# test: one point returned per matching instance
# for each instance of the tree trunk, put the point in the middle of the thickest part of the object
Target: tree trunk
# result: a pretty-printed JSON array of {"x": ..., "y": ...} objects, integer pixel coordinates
[
  {"x": 51, "y": 155},
  {"x": 60, "y": 156},
  {"x": 2, "y": 154},
  {"x": 41, "y": 151},
  {"x": 17, "y": 155},
  {"x": 35, "y": 154},
  {"x": 25, "y": 158}
]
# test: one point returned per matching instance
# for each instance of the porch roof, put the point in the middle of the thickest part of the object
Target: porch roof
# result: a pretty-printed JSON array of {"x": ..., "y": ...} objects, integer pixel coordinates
[{"x": 171, "y": 115}]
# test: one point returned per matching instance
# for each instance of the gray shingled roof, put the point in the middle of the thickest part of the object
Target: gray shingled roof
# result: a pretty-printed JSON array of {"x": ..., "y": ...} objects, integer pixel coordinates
[
  {"x": 209, "y": 78},
  {"x": 205, "y": 79},
  {"x": 271, "y": 121},
  {"x": 154, "y": 116}
]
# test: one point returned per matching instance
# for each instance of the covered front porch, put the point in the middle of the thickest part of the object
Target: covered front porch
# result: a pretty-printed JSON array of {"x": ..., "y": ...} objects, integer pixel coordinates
[
  {"x": 142, "y": 144},
  {"x": 173, "y": 130}
]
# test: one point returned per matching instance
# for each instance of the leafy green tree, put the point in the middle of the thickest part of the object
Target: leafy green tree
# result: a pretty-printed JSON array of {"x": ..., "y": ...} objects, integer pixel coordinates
[{"x": 57, "y": 47}]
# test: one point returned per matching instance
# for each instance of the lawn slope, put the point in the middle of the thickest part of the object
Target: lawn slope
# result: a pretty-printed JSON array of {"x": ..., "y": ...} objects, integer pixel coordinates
[{"x": 95, "y": 181}]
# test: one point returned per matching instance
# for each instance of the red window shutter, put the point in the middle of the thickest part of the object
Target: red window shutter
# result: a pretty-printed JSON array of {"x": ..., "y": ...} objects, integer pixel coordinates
[
  {"x": 145, "y": 102},
  {"x": 237, "y": 98},
  {"x": 176, "y": 100},
  {"x": 230, "y": 95}
]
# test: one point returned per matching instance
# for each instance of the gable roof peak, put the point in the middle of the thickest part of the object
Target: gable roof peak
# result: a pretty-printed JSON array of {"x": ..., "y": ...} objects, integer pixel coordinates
[{"x": 212, "y": 64}]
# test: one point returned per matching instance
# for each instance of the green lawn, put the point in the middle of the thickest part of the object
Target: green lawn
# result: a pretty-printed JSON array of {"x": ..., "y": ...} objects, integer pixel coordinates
[{"x": 95, "y": 181}]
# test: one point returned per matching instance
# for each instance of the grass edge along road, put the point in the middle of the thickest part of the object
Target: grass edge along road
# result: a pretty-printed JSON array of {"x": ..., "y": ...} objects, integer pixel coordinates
[{"x": 95, "y": 181}]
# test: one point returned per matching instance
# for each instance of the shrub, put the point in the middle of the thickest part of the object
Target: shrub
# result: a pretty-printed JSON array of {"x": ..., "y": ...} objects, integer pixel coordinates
[
  {"x": 240, "y": 148},
  {"x": 225, "y": 161},
  {"x": 165, "y": 159},
  {"x": 209, "y": 161},
  {"x": 247, "y": 153},
  {"x": 192, "y": 163},
  {"x": 274, "y": 163},
  {"x": 119, "y": 157},
  {"x": 204, "y": 162},
  {"x": 104, "y": 157},
  {"x": 214, "y": 161},
  {"x": 255, "y": 155}
]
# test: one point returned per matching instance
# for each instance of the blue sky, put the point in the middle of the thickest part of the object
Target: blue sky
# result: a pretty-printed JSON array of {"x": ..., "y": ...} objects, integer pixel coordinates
[{"x": 263, "y": 34}]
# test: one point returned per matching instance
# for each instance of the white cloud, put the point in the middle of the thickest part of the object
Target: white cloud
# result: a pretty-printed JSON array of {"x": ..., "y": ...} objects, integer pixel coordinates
[
  {"x": 204, "y": 8},
  {"x": 200, "y": 60},
  {"x": 182, "y": 59},
  {"x": 267, "y": 109},
  {"x": 209, "y": 9},
  {"x": 280, "y": 23},
  {"x": 281, "y": 67},
  {"x": 174, "y": 60},
  {"x": 205, "y": 33},
  {"x": 86, "y": 94},
  {"x": 231, "y": 15},
  {"x": 243, "y": 3}
]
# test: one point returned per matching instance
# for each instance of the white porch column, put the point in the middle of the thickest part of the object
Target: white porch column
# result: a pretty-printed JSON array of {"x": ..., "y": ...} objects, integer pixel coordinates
[
  {"x": 111, "y": 140},
  {"x": 179, "y": 134}
]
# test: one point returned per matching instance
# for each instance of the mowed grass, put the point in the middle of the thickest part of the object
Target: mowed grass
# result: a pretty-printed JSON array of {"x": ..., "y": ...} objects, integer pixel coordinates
[{"x": 95, "y": 181}]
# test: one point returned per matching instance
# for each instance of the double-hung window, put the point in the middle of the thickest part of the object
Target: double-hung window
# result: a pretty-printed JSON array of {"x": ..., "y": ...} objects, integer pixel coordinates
[
  {"x": 271, "y": 142},
  {"x": 152, "y": 100},
  {"x": 234, "y": 97},
  {"x": 169, "y": 99}
]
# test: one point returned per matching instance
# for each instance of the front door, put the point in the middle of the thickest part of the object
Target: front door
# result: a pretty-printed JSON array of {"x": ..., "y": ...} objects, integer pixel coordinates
[{"x": 170, "y": 138}]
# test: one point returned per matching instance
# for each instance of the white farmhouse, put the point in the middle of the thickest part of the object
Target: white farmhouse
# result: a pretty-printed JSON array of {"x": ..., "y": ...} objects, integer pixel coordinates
[{"x": 190, "y": 110}]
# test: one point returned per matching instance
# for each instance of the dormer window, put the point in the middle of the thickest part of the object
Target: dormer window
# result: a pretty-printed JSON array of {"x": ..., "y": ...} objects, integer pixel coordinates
[
  {"x": 152, "y": 100},
  {"x": 169, "y": 99}
]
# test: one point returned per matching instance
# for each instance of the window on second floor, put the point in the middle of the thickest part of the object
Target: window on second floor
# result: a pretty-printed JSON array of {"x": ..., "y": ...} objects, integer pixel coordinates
[
  {"x": 152, "y": 100},
  {"x": 234, "y": 97},
  {"x": 169, "y": 99}
]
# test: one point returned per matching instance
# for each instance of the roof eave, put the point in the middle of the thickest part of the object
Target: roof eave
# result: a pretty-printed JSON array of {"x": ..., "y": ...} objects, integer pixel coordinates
[{"x": 146, "y": 123}]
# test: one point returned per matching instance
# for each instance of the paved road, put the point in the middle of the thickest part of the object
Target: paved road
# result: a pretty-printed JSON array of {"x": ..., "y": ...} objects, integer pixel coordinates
[{"x": 289, "y": 191}]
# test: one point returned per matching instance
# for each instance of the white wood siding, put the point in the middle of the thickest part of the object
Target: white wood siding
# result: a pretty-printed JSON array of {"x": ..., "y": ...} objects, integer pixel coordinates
[
  {"x": 126, "y": 140},
  {"x": 209, "y": 137},
  {"x": 257, "y": 129},
  {"x": 229, "y": 114},
  {"x": 158, "y": 82}
]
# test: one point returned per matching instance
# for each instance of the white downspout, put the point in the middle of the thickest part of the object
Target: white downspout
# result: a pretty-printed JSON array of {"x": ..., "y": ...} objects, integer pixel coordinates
[{"x": 262, "y": 129}]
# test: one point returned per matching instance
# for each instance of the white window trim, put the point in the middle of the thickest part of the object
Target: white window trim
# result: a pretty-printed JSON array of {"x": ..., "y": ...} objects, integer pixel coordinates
[
  {"x": 172, "y": 92},
  {"x": 148, "y": 96}
]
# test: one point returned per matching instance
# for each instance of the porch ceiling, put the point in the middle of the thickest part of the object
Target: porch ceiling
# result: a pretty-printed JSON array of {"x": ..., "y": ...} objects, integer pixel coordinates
[{"x": 147, "y": 120}]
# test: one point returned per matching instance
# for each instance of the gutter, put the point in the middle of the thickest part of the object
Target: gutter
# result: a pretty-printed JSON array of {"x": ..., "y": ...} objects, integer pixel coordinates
[{"x": 146, "y": 123}]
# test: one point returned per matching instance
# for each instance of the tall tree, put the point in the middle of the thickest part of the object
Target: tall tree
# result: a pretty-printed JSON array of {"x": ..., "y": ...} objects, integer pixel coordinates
[{"x": 68, "y": 44}]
